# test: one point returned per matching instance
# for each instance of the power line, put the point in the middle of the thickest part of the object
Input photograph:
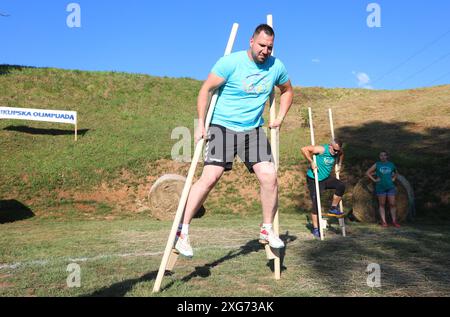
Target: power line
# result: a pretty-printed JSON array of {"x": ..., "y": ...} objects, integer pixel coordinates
[
  {"x": 412, "y": 56},
  {"x": 438, "y": 79},
  {"x": 425, "y": 68}
]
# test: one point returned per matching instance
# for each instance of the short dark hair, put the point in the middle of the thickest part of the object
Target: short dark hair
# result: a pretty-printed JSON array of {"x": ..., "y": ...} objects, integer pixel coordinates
[
  {"x": 384, "y": 151},
  {"x": 264, "y": 28},
  {"x": 338, "y": 142}
]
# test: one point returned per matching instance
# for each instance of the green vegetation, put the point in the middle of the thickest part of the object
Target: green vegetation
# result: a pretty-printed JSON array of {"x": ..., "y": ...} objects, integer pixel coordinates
[
  {"x": 125, "y": 121},
  {"x": 62, "y": 201},
  {"x": 120, "y": 258}
]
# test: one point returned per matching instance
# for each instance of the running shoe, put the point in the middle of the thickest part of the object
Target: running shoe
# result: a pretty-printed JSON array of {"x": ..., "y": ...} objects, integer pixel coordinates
[
  {"x": 316, "y": 233},
  {"x": 335, "y": 212},
  {"x": 268, "y": 236},
  {"x": 183, "y": 245}
]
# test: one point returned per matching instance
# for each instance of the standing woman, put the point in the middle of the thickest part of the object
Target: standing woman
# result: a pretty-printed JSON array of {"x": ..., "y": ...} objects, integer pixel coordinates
[{"x": 386, "y": 174}]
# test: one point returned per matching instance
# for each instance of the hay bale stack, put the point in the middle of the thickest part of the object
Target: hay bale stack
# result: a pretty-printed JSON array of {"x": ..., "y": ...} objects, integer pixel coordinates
[
  {"x": 365, "y": 202},
  {"x": 164, "y": 196}
]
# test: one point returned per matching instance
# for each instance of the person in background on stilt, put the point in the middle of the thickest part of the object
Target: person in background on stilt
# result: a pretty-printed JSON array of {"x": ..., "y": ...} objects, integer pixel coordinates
[
  {"x": 386, "y": 174},
  {"x": 327, "y": 155},
  {"x": 246, "y": 80}
]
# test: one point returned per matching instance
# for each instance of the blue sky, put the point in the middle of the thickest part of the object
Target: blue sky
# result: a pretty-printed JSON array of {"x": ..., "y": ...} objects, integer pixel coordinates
[{"x": 322, "y": 43}]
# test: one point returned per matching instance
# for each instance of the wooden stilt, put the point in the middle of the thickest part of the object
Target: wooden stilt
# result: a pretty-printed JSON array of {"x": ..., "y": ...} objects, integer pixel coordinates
[
  {"x": 183, "y": 199},
  {"x": 316, "y": 179},
  {"x": 274, "y": 143},
  {"x": 341, "y": 205}
]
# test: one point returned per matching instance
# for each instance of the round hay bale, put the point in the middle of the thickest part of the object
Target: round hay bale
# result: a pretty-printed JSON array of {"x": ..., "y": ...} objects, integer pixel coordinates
[
  {"x": 365, "y": 202},
  {"x": 411, "y": 200},
  {"x": 164, "y": 197}
]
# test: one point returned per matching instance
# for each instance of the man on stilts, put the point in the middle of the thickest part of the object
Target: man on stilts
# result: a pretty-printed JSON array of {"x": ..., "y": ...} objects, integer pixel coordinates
[
  {"x": 327, "y": 155},
  {"x": 245, "y": 80}
]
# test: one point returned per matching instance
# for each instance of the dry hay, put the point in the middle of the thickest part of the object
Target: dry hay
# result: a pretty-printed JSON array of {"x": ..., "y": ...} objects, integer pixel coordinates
[
  {"x": 409, "y": 190},
  {"x": 164, "y": 196},
  {"x": 365, "y": 202}
]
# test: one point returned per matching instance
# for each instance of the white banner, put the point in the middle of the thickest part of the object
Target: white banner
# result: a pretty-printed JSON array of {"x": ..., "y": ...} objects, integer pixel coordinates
[{"x": 39, "y": 115}]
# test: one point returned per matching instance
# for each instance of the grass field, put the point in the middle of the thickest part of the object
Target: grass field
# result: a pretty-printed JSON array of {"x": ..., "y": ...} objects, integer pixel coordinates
[
  {"x": 86, "y": 202},
  {"x": 121, "y": 258}
]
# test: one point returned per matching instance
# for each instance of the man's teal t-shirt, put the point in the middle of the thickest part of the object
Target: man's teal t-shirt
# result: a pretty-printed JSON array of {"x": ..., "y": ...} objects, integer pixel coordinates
[
  {"x": 325, "y": 163},
  {"x": 247, "y": 87},
  {"x": 384, "y": 171}
]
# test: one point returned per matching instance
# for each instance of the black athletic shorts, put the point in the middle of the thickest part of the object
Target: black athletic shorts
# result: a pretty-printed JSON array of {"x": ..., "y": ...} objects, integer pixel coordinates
[
  {"x": 224, "y": 144},
  {"x": 328, "y": 183}
]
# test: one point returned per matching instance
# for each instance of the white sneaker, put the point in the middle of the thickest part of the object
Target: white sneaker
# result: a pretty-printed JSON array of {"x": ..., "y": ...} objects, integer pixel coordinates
[
  {"x": 183, "y": 246},
  {"x": 268, "y": 236}
]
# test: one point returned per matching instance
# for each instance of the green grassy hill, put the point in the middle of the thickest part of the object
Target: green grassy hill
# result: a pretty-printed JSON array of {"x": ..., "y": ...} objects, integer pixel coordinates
[
  {"x": 125, "y": 125},
  {"x": 84, "y": 202}
]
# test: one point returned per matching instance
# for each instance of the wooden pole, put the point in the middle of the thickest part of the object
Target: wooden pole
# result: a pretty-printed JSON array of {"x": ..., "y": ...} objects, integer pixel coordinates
[
  {"x": 316, "y": 178},
  {"x": 274, "y": 143},
  {"x": 341, "y": 205},
  {"x": 190, "y": 177}
]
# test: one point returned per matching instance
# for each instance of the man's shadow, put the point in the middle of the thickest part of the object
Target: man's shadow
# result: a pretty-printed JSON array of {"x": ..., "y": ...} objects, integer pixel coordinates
[
  {"x": 251, "y": 246},
  {"x": 122, "y": 288}
]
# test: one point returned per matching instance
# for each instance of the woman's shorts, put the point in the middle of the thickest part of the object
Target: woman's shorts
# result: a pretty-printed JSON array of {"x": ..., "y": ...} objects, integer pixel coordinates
[{"x": 388, "y": 192}]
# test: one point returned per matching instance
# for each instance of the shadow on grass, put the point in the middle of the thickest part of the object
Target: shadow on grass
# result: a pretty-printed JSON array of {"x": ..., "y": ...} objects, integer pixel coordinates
[
  {"x": 13, "y": 210},
  {"x": 413, "y": 260},
  {"x": 122, "y": 288},
  {"x": 251, "y": 246},
  {"x": 6, "y": 69},
  {"x": 287, "y": 239},
  {"x": 420, "y": 153},
  {"x": 40, "y": 131},
  {"x": 333, "y": 224}
]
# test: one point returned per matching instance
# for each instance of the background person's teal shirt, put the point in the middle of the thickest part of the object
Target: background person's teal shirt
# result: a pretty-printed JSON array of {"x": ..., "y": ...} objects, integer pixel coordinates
[
  {"x": 384, "y": 171},
  {"x": 325, "y": 163},
  {"x": 247, "y": 87}
]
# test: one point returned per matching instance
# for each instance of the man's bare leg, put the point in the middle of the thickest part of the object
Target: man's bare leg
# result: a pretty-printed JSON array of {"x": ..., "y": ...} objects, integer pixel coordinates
[
  {"x": 315, "y": 220},
  {"x": 267, "y": 176},
  {"x": 336, "y": 200},
  {"x": 197, "y": 196},
  {"x": 200, "y": 190}
]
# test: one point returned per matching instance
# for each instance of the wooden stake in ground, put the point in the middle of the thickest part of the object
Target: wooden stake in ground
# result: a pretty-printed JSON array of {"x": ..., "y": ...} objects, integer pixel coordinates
[
  {"x": 316, "y": 179},
  {"x": 274, "y": 143},
  {"x": 187, "y": 187},
  {"x": 341, "y": 205}
]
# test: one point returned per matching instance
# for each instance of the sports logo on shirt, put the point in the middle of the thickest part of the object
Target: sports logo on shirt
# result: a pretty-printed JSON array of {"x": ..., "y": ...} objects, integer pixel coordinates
[
  {"x": 385, "y": 170},
  {"x": 256, "y": 84},
  {"x": 328, "y": 161}
]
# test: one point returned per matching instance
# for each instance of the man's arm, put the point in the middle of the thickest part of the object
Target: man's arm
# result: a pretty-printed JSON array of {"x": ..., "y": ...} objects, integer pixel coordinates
[
  {"x": 287, "y": 96},
  {"x": 309, "y": 151},
  {"x": 211, "y": 83},
  {"x": 340, "y": 162}
]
